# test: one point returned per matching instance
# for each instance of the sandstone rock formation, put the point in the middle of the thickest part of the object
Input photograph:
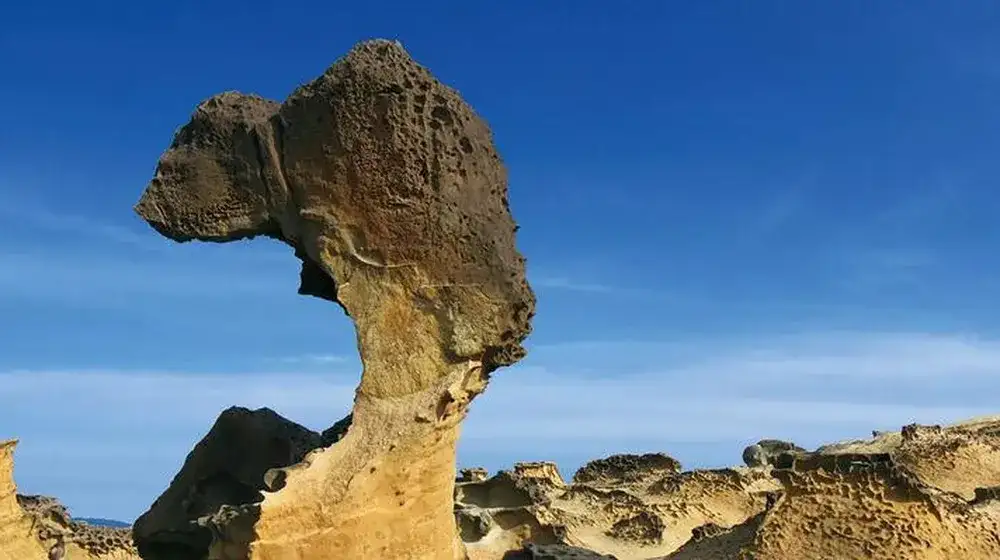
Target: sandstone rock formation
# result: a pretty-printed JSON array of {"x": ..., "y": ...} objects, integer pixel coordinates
[
  {"x": 624, "y": 506},
  {"x": 31, "y": 527},
  {"x": 925, "y": 492},
  {"x": 388, "y": 187}
]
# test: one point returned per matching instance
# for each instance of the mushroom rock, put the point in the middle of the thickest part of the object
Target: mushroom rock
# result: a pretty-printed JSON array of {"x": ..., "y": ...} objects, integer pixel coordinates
[{"x": 389, "y": 189}]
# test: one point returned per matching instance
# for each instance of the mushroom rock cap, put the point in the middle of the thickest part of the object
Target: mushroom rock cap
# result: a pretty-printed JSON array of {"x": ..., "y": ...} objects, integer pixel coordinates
[{"x": 377, "y": 174}]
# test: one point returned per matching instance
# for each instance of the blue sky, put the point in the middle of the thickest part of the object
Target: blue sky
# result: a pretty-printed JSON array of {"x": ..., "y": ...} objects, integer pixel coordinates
[{"x": 743, "y": 220}]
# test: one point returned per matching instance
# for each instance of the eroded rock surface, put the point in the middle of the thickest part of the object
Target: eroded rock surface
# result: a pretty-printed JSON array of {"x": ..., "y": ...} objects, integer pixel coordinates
[
  {"x": 55, "y": 527},
  {"x": 389, "y": 188},
  {"x": 924, "y": 492},
  {"x": 624, "y": 506}
]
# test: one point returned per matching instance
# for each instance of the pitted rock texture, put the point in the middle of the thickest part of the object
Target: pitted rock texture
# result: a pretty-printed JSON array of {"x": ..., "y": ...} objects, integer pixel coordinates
[
  {"x": 53, "y": 524},
  {"x": 925, "y": 492},
  {"x": 903, "y": 494},
  {"x": 388, "y": 187},
  {"x": 869, "y": 506}
]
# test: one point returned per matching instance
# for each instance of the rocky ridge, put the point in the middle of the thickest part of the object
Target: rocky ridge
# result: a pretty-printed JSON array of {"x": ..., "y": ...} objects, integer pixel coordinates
[{"x": 925, "y": 492}]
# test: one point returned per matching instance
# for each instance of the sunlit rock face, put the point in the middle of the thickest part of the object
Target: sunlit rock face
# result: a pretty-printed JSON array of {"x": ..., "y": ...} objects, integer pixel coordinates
[{"x": 389, "y": 188}]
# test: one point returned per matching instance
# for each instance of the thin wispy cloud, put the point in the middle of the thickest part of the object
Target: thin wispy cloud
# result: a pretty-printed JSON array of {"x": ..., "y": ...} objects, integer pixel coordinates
[
  {"x": 316, "y": 359},
  {"x": 562, "y": 283},
  {"x": 781, "y": 208},
  {"x": 779, "y": 211},
  {"x": 867, "y": 269},
  {"x": 96, "y": 280},
  {"x": 583, "y": 285},
  {"x": 27, "y": 213},
  {"x": 922, "y": 206}
]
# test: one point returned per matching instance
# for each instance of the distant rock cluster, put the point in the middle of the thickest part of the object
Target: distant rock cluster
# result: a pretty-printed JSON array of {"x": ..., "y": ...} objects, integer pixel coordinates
[{"x": 924, "y": 492}]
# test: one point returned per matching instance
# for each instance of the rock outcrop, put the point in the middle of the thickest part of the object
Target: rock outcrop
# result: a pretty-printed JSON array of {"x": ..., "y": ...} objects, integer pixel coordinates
[
  {"x": 925, "y": 492},
  {"x": 624, "y": 506},
  {"x": 231, "y": 466},
  {"x": 388, "y": 187},
  {"x": 919, "y": 493},
  {"x": 767, "y": 452},
  {"x": 38, "y": 527}
]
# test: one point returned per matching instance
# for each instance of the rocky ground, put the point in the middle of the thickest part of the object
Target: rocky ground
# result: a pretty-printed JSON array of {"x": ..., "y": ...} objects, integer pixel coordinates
[{"x": 924, "y": 492}]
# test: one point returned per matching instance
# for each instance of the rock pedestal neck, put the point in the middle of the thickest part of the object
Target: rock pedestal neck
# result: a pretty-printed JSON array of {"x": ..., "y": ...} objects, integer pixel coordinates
[{"x": 389, "y": 189}]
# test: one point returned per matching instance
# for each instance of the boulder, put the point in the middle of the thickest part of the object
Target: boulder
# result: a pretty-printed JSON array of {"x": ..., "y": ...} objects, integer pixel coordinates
[
  {"x": 388, "y": 187},
  {"x": 767, "y": 452},
  {"x": 229, "y": 466},
  {"x": 622, "y": 469}
]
